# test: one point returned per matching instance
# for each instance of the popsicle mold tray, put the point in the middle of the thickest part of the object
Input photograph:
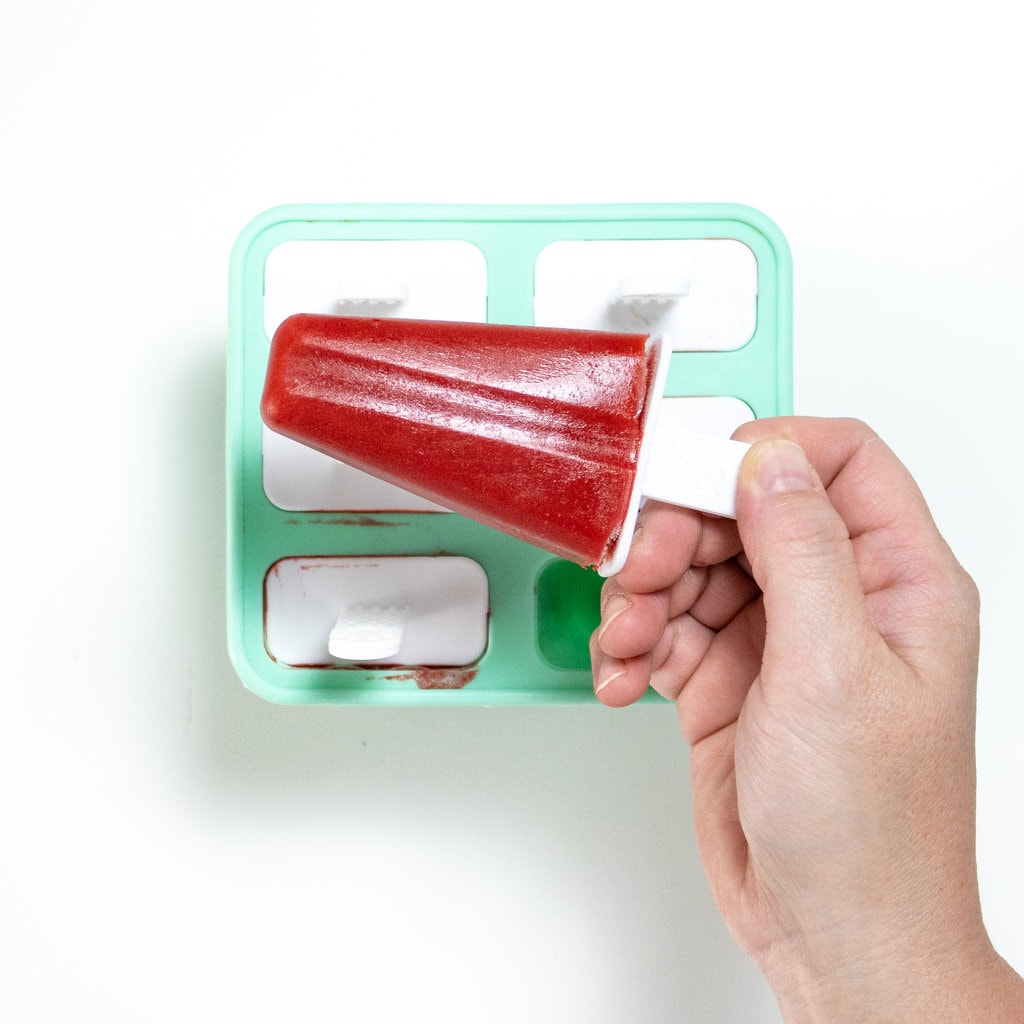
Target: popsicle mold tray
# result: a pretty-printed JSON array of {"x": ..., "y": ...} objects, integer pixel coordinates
[{"x": 345, "y": 590}]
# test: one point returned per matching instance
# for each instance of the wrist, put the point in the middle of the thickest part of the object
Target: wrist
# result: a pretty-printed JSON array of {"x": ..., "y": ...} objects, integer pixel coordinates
[{"x": 902, "y": 982}]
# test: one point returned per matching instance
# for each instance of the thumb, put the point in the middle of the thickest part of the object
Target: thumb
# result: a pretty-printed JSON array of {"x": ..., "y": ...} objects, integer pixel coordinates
[{"x": 802, "y": 558}]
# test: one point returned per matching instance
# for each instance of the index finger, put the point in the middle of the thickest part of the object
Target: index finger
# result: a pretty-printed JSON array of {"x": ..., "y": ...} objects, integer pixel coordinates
[{"x": 668, "y": 541}]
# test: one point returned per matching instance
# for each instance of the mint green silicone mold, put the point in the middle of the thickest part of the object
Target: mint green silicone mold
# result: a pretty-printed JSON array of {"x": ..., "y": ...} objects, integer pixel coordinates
[{"x": 541, "y": 609}]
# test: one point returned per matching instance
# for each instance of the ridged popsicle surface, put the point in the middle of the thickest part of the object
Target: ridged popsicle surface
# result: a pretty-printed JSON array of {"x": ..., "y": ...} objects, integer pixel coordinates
[{"x": 533, "y": 431}]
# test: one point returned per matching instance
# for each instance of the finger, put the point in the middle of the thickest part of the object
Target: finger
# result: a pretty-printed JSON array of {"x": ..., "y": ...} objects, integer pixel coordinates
[
  {"x": 803, "y": 560},
  {"x": 619, "y": 682},
  {"x": 716, "y": 688},
  {"x": 630, "y": 623},
  {"x": 669, "y": 540},
  {"x": 827, "y": 443},
  {"x": 678, "y": 655},
  {"x": 728, "y": 589},
  {"x": 867, "y": 484},
  {"x": 667, "y": 667},
  {"x": 633, "y": 623}
]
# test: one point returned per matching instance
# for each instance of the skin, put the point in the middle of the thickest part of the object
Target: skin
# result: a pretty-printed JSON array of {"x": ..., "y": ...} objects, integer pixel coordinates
[{"x": 822, "y": 655}]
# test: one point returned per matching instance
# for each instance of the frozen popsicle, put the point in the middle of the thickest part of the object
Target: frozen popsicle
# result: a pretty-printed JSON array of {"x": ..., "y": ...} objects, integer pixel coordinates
[{"x": 544, "y": 433}]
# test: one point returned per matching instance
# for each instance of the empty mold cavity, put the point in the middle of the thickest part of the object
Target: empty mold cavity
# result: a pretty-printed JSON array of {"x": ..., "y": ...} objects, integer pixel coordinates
[
  {"x": 568, "y": 612},
  {"x": 300, "y": 479},
  {"x": 699, "y": 294},
  {"x": 421, "y": 279},
  {"x": 404, "y": 610},
  {"x": 717, "y": 415}
]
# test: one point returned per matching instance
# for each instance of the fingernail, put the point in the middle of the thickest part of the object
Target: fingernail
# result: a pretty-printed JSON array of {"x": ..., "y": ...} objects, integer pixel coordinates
[
  {"x": 614, "y": 607},
  {"x": 611, "y": 674},
  {"x": 781, "y": 466}
]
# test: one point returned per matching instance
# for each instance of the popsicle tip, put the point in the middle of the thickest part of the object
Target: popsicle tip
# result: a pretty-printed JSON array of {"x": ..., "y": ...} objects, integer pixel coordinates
[{"x": 271, "y": 410}]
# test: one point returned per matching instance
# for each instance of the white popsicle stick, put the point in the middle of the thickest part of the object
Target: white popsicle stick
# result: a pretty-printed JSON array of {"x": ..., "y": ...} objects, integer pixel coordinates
[
  {"x": 368, "y": 633},
  {"x": 694, "y": 470}
]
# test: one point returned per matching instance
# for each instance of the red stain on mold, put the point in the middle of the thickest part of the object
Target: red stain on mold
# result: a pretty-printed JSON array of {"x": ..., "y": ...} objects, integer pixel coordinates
[{"x": 437, "y": 678}]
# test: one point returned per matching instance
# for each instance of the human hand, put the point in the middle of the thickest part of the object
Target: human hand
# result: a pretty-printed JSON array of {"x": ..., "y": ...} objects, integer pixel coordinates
[{"x": 822, "y": 654}]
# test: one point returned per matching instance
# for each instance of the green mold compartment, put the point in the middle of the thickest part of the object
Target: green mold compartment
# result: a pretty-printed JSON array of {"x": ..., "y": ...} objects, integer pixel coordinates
[
  {"x": 541, "y": 611},
  {"x": 568, "y": 612}
]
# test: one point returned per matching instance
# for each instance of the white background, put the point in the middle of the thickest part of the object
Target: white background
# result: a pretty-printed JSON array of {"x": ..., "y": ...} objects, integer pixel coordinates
[{"x": 175, "y": 849}]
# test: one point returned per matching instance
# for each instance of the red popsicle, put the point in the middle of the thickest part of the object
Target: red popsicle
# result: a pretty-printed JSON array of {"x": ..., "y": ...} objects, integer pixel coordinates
[
  {"x": 547, "y": 434},
  {"x": 534, "y": 431}
]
